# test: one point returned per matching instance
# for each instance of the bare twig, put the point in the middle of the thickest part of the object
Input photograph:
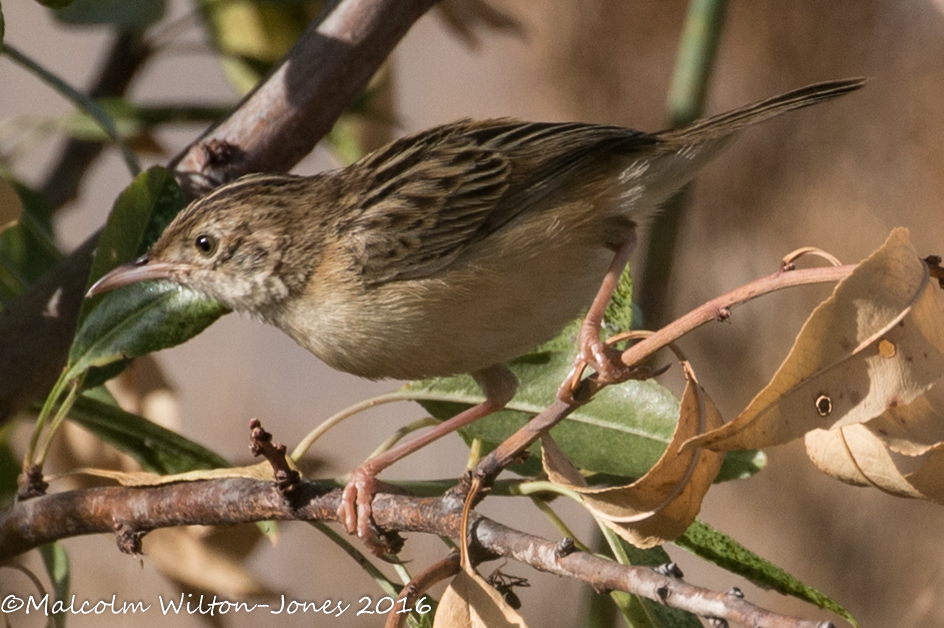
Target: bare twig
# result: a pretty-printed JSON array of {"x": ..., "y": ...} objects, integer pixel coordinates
[
  {"x": 135, "y": 511},
  {"x": 261, "y": 444}
]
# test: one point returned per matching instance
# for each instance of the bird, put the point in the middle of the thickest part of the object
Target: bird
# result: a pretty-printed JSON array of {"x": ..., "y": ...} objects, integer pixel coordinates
[{"x": 448, "y": 251}]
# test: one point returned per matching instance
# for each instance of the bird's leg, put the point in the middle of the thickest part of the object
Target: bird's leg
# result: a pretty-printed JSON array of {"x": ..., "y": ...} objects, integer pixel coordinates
[
  {"x": 499, "y": 385},
  {"x": 592, "y": 350}
]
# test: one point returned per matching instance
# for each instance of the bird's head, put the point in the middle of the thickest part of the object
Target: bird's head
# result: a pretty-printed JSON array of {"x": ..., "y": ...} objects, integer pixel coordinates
[{"x": 232, "y": 245}]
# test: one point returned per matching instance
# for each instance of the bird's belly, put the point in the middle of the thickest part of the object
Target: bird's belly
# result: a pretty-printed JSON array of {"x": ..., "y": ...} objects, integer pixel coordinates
[{"x": 460, "y": 320}]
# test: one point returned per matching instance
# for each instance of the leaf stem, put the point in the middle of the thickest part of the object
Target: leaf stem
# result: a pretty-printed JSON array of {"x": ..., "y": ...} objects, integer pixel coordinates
[
  {"x": 74, "y": 386},
  {"x": 340, "y": 417},
  {"x": 80, "y": 100}
]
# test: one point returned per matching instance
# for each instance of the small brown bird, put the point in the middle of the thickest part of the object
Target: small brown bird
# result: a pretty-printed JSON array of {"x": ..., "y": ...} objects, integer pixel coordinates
[{"x": 449, "y": 251}]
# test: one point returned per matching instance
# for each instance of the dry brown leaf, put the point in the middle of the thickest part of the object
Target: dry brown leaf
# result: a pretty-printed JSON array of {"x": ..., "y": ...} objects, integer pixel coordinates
[
  {"x": 471, "y": 602},
  {"x": 183, "y": 555},
  {"x": 662, "y": 504},
  {"x": 260, "y": 471},
  {"x": 876, "y": 343},
  {"x": 916, "y": 428},
  {"x": 855, "y": 455}
]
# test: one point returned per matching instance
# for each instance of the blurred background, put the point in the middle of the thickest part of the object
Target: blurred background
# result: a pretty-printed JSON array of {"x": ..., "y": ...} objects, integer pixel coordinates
[{"x": 838, "y": 176}]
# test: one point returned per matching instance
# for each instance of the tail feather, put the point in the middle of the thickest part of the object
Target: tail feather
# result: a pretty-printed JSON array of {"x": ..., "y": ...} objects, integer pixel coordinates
[{"x": 725, "y": 124}]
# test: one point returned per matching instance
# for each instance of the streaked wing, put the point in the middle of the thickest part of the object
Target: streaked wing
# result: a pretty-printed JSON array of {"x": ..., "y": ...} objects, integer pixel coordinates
[{"x": 424, "y": 199}]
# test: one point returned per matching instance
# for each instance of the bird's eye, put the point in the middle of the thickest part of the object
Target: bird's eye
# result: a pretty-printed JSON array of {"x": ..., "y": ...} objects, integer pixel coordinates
[{"x": 205, "y": 244}]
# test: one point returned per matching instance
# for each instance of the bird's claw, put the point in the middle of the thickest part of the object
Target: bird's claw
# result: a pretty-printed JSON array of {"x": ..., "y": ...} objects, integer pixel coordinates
[
  {"x": 356, "y": 515},
  {"x": 603, "y": 359}
]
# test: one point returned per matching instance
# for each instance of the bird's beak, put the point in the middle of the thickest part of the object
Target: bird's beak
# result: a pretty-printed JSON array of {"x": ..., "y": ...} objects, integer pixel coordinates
[{"x": 138, "y": 270}]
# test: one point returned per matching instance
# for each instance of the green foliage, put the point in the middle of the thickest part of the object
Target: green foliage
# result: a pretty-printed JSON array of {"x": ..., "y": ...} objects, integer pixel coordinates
[
  {"x": 119, "y": 14},
  {"x": 622, "y": 432},
  {"x": 252, "y": 35},
  {"x": 27, "y": 251},
  {"x": 720, "y": 549},
  {"x": 155, "y": 448},
  {"x": 56, "y": 561},
  {"x": 144, "y": 317}
]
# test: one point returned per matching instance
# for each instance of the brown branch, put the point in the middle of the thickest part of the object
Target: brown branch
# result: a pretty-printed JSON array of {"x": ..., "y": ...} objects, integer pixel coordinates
[
  {"x": 131, "y": 512},
  {"x": 284, "y": 117},
  {"x": 272, "y": 129}
]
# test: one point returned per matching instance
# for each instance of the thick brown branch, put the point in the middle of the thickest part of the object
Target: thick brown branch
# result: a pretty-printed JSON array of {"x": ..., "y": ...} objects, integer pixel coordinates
[
  {"x": 133, "y": 511},
  {"x": 271, "y": 130}
]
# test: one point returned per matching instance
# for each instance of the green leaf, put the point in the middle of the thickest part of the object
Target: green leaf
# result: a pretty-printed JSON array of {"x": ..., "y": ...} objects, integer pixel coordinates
[
  {"x": 137, "y": 320},
  {"x": 144, "y": 317},
  {"x": 26, "y": 249},
  {"x": 622, "y": 432},
  {"x": 740, "y": 465},
  {"x": 121, "y": 14},
  {"x": 620, "y": 312},
  {"x": 720, "y": 549},
  {"x": 155, "y": 448},
  {"x": 56, "y": 560},
  {"x": 137, "y": 219},
  {"x": 251, "y": 36}
]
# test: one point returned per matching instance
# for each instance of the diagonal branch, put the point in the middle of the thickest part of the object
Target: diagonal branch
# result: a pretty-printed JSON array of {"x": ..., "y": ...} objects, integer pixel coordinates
[{"x": 131, "y": 512}]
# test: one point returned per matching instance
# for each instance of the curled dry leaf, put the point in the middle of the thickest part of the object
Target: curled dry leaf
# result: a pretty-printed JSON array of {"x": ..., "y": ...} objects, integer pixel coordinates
[
  {"x": 662, "y": 504},
  {"x": 916, "y": 428},
  {"x": 855, "y": 455},
  {"x": 471, "y": 602},
  {"x": 877, "y": 343}
]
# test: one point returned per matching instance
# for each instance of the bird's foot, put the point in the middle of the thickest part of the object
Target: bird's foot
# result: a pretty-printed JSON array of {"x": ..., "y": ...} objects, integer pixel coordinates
[
  {"x": 356, "y": 514},
  {"x": 599, "y": 356}
]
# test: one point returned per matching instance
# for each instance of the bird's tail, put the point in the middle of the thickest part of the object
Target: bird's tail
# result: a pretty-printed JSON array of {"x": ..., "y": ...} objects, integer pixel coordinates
[{"x": 722, "y": 125}]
